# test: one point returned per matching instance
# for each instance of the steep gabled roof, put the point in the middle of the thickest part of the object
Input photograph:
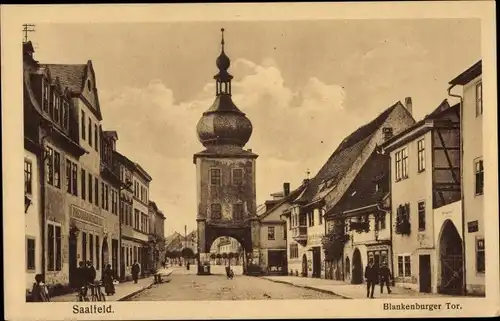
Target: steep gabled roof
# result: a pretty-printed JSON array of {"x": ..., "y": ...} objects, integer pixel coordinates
[
  {"x": 343, "y": 157},
  {"x": 289, "y": 198},
  {"x": 362, "y": 191}
]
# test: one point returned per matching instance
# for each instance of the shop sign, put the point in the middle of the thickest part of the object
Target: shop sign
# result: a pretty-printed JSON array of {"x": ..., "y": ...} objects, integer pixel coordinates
[{"x": 87, "y": 217}]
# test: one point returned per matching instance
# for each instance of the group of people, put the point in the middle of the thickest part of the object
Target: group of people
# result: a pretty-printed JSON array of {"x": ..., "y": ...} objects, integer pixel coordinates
[
  {"x": 86, "y": 275},
  {"x": 374, "y": 274}
]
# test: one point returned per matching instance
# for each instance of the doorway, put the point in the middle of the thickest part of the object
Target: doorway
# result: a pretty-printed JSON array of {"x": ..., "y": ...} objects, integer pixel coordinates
[
  {"x": 451, "y": 260},
  {"x": 105, "y": 253},
  {"x": 304, "y": 265},
  {"x": 424, "y": 267},
  {"x": 316, "y": 262},
  {"x": 357, "y": 268},
  {"x": 73, "y": 264}
]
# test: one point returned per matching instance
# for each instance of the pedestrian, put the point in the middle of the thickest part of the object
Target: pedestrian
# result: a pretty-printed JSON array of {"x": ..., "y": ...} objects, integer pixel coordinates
[
  {"x": 39, "y": 293},
  {"x": 107, "y": 280},
  {"x": 371, "y": 276},
  {"x": 385, "y": 277},
  {"x": 91, "y": 272},
  {"x": 135, "y": 271}
]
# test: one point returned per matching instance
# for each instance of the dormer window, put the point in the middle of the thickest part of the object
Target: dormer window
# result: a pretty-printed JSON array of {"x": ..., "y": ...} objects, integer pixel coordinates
[
  {"x": 353, "y": 193},
  {"x": 57, "y": 109},
  {"x": 46, "y": 92}
]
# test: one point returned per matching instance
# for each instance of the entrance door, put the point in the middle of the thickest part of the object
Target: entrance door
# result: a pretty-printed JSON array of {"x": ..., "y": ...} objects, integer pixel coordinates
[
  {"x": 451, "y": 260},
  {"x": 304, "y": 265},
  {"x": 357, "y": 268},
  {"x": 73, "y": 264},
  {"x": 316, "y": 262},
  {"x": 425, "y": 273}
]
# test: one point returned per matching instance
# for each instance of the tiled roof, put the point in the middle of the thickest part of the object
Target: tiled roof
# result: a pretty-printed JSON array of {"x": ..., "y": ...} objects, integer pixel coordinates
[
  {"x": 70, "y": 76},
  {"x": 362, "y": 191},
  {"x": 342, "y": 158},
  {"x": 289, "y": 198}
]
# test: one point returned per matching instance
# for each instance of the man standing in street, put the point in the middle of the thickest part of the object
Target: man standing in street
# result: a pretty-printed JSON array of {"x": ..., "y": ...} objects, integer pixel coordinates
[
  {"x": 385, "y": 277},
  {"x": 135, "y": 271},
  {"x": 371, "y": 276}
]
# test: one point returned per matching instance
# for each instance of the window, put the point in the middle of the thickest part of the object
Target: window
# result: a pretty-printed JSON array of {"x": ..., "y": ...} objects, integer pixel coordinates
[
  {"x": 421, "y": 155},
  {"x": 97, "y": 252},
  {"x": 121, "y": 211},
  {"x": 46, "y": 95},
  {"x": 237, "y": 212},
  {"x": 237, "y": 176},
  {"x": 479, "y": 99},
  {"x": 83, "y": 174},
  {"x": 382, "y": 222},
  {"x": 421, "y": 216},
  {"x": 215, "y": 178},
  {"x": 27, "y": 177},
  {"x": 30, "y": 254},
  {"x": 91, "y": 194},
  {"x": 53, "y": 247},
  {"x": 404, "y": 265},
  {"x": 96, "y": 191},
  {"x": 84, "y": 246},
  {"x": 136, "y": 218},
  {"x": 294, "y": 251},
  {"x": 65, "y": 115},
  {"x": 83, "y": 125},
  {"x": 102, "y": 195},
  {"x": 480, "y": 262},
  {"x": 320, "y": 216},
  {"x": 74, "y": 172},
  {"x": 57, "y": 169},
  {"x": 91, "y": 247},
  {"x": 402, "y": 164},
  {"x": 284, "y": 232},
  {"x": 57, "y": 109},
  {"x": 96, "y": 138},
  {"x": 310, "y": 217},
  {"x": 90, "y": 131},
  {"x": 52, "y": 105},
  {"x": 270, "y": 233},
  {"x": 106, "y": 197},
  {"x": 216, "y": 211},
  {"x": 50, "y": 165},
  {"x": 114, "y": 202},
  {"x": 69, "y": 179},
  {"x": 479, "y": 173}
]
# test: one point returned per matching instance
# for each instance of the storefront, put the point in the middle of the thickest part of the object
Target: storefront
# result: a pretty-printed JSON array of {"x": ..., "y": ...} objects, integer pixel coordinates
[{"x": 276, "y": 261}]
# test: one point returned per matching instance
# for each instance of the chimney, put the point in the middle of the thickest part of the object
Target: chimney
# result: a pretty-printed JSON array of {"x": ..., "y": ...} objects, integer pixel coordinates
[
  {"x": 387, "y": 132},
  {"x": 249, "y": 150},
  {"x": 286, "y": 189},
  {"x": 409, "y": 105}
]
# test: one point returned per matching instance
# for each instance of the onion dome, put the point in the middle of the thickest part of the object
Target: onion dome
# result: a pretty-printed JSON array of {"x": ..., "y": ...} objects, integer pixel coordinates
[{"x": 223, "y": 123}]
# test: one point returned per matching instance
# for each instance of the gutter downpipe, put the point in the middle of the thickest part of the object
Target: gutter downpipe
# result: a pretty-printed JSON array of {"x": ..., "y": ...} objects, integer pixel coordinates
[{"x": 464, "y": 271}]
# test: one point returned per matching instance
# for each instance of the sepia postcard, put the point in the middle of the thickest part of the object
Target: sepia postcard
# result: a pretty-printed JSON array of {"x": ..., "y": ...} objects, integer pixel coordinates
[{"x": 248, "y": 161}]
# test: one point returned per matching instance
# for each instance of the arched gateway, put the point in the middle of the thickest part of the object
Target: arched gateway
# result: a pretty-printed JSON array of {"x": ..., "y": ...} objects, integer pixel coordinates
[{"x": 225, "y": 173}]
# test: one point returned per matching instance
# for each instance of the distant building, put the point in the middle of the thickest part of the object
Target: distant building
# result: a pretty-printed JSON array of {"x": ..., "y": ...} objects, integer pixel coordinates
[
  {"x": 425, "y": 199},
  {"x": 473, "y": 176}
]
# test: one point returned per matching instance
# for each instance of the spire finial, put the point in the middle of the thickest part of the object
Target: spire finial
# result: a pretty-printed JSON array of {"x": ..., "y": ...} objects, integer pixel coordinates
[{"x": 222, "y": 39}]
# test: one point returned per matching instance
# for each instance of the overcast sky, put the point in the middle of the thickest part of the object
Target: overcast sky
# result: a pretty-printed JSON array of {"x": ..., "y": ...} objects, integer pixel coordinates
[{"x": 305, "y": 85}]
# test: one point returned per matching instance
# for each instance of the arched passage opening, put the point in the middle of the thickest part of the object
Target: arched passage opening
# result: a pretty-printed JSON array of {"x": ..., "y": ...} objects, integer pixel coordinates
[
  {"x": 357, "y": 267},
  {"x": 451, "y": 260},
  {"x": 227, "y": 251}
]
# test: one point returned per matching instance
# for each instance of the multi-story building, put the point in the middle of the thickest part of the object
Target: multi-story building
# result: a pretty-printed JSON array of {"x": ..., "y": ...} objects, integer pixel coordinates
[
  {"x": 273, "y": 233},
  {"x": 425, "y": 201},
  {"x": 156, "y": 253},
  {"x": 134, "y": 209},
  {"x": 33, "y": 177},
  {"x": 358, "y": 226},
  {"x": 472, "y": 176},
  {"x": 323, "y": 191},
  {"x": 111, "y": 185}
]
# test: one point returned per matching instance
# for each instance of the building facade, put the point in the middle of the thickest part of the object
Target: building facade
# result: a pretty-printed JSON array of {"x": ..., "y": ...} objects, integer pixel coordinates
[
  {"x": 328, "y": 186},
  {"x": 425, "y": 196},
  {"x": 156, "y": 250},
  {"x": 470, "y": 82}
]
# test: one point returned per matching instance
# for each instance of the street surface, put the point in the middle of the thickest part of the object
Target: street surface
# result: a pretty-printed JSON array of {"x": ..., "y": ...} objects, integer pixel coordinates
[{"x": 186, "y": 286}]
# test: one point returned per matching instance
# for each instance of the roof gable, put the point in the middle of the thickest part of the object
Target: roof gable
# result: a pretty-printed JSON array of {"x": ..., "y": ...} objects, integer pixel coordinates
[{"x": 343, "y": 157}]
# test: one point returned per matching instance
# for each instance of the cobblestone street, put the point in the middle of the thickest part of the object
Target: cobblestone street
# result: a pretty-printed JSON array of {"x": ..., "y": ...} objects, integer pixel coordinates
[{"x": 186, "y": 285}]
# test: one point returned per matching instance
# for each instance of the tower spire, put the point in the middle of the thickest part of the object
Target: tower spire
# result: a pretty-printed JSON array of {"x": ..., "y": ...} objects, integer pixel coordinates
[
  {"x": 222, "y": 39},
  {"x": 223, "y": 78}
]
